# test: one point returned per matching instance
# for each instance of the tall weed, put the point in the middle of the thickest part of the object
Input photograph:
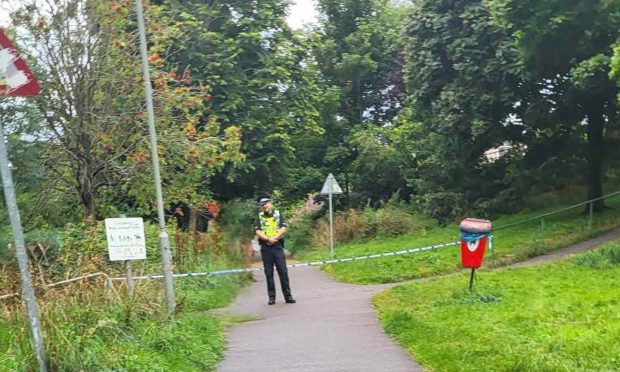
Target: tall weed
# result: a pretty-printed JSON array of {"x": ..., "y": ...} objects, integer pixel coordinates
[
  {"x": 603, "y": 258},
  {"x": 353, "y": 225}
]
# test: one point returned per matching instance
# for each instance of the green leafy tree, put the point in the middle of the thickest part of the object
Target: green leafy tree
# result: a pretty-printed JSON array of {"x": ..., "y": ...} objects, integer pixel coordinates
[
  {"x": 566, "y": 49},
  {"x": 359, "y": 54},
  {"x": 254, "y": 64},
  {"x": 464, "y": 80},
  {"x": 92, "y": 106},
  {"x": 377, "y": 165}
]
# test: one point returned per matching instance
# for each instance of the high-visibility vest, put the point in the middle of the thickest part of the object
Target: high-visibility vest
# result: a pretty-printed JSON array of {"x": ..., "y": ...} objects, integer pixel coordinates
[{"x": 270, "y": 224}]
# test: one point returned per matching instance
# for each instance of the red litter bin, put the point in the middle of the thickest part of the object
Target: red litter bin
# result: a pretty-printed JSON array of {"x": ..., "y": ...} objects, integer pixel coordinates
[{"x": 474, "y": 238}]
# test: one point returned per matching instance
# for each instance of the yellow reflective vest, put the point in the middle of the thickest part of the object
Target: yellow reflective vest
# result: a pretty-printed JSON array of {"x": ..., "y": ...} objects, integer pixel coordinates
[{"x": 270, "y": 224}]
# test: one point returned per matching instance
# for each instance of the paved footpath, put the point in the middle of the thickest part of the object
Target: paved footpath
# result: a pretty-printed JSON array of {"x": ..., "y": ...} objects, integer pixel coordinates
[{"x": 332, "y": 327}]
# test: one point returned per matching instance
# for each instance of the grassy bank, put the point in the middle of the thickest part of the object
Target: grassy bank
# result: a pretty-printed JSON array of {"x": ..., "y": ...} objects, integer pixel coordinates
[
  {"x": 560, "y": 316},
  {"x": 511, "y": 245},
  {"x": 96, "y": 331},
  {"x": 88, "y": 328}
]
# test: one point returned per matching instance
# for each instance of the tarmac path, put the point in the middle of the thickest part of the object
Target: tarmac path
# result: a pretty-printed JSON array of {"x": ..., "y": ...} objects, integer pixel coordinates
[{"x": 332, "y": 327}]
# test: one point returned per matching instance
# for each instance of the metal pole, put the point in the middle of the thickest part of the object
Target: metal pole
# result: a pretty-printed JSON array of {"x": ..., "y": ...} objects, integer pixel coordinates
[
  {"x": 542, "y": 231},
  {"x": 492, "y": 250},
  {"x": 22, "y": 256},
  {"x": 130, "y": 284},
  {"x": 164, "y": 240},
  {"x": 471, "y": 279},
  {"x": 331, "y": 225},
  {"x": 590, "y": 218}
]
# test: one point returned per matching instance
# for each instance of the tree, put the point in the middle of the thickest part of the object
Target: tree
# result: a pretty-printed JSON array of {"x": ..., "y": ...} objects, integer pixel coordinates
[
  {"x": 377, "y": 164},
  {"x": 463, "y": 81},
  {"x": 254, "y": 63},
  {"x": 92, "y": 104},
  {"x": 566, "y": 48},
  {"x": 360, "y": 57}
]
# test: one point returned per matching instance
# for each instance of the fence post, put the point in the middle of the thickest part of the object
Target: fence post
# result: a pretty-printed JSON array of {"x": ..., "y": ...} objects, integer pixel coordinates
[
  {"x": 590, "y": 218},
  {"x": 542, "y": 231}
]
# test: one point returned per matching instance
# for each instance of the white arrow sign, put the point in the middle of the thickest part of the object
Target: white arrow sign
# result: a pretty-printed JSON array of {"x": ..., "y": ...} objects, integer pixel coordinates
[{"x": 331, "y": 186}]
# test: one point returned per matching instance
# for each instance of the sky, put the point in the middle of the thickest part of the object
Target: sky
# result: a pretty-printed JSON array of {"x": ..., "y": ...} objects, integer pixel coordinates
[{"x": 301, "y": 12}]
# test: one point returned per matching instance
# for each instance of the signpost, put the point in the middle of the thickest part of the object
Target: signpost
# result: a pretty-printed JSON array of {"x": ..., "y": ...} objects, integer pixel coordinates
[
  {"x": 18, "y": 81},
  {"x": 164, "y": 239},
  {"x": 126, "y": 242},
  {"x": 331, "y": 187}
]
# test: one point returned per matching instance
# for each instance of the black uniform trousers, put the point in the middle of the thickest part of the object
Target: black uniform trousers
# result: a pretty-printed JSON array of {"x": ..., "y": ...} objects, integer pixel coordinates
[{"x": 274, "y": 255}]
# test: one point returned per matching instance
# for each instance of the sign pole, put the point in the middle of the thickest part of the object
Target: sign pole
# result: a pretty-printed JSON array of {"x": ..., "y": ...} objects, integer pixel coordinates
[
  {"x": 130, "y": 284},
  {"x": 128, "y": 272},
  {"x": 126, "y": 242},
  {"x": 331, "y": 225},
  {"x": 164, "y": 239},
  {"x": 22, "y": 256},
  {"x": 331, "y": 187}
]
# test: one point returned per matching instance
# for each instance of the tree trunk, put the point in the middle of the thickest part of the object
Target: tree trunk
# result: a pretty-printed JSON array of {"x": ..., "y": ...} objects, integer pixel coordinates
[
  {"x": 87, "y": 198},
  {"x": 596, "y": 124}
]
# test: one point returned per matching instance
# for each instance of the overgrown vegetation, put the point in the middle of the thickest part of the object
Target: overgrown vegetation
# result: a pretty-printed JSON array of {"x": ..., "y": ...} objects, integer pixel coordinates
[
  {"x": 310, "y": 225},
  {"x": 559, "y": 316},
  {"x": 88, "y": 328}
]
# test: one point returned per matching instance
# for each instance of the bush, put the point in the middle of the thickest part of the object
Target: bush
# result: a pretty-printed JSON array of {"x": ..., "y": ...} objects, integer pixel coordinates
[
  {"x": 300, "y": 234},
  {"x": 393, "y": 221},
  {"x": 348, "y": 226},
  {"x": 353, "y": 225},
  {"x": 302, "y": 218},
  {"x": 445, "y": 206},
  {"x": 237, "y": 217}
]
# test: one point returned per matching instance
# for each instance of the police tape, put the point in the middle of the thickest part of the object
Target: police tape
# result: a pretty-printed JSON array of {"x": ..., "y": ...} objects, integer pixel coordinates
[{"x": 304, "y": 264}]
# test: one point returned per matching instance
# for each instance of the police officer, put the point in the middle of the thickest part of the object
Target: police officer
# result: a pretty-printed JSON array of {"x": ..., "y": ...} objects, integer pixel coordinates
[{"x": 270, "y": 227}]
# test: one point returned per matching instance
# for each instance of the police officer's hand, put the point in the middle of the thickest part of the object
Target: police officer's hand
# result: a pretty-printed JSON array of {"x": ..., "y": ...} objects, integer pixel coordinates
[{"x": 272, "y": 241}]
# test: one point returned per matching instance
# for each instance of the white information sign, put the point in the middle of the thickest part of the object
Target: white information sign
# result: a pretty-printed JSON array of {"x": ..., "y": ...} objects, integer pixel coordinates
[{"x": 126, "y": 239}]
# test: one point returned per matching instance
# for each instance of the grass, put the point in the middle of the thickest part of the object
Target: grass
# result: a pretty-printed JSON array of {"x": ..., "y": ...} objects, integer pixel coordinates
[
  {"x": 511, "y": 245},
  {"x": 560, "y": 316},
  {"x": 105, "y": 332}
]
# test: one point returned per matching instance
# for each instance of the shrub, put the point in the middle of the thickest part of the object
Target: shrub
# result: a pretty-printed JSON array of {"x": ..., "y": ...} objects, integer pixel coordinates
[
  {"x": 445, "y": 206},
  {"x": 396, "y": 221},
  {"x": 348, "y": 226},
  {"x": 302, "y": 219},
  {"x": 300, "y": 234},
  {"x": 236, "y": 218}
]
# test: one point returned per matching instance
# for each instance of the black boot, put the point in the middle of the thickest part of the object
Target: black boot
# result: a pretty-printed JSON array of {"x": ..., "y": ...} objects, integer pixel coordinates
[
  {"x": 272, "y": 301},
  {"x": 290, "y": 300}
]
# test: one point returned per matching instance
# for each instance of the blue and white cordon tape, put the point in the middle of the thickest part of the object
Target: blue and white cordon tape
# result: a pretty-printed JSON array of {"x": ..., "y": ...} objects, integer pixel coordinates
[{"x": 315, "y": 263}]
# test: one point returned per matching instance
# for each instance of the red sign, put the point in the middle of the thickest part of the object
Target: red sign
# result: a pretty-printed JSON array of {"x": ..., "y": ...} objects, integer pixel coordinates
[
  {"x": 472, "y": 252},
  {"x": 16, "y": 79}
]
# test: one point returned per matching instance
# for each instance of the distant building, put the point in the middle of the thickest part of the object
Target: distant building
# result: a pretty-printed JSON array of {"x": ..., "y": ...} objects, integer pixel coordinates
[{"x": 495, "y": 153}]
